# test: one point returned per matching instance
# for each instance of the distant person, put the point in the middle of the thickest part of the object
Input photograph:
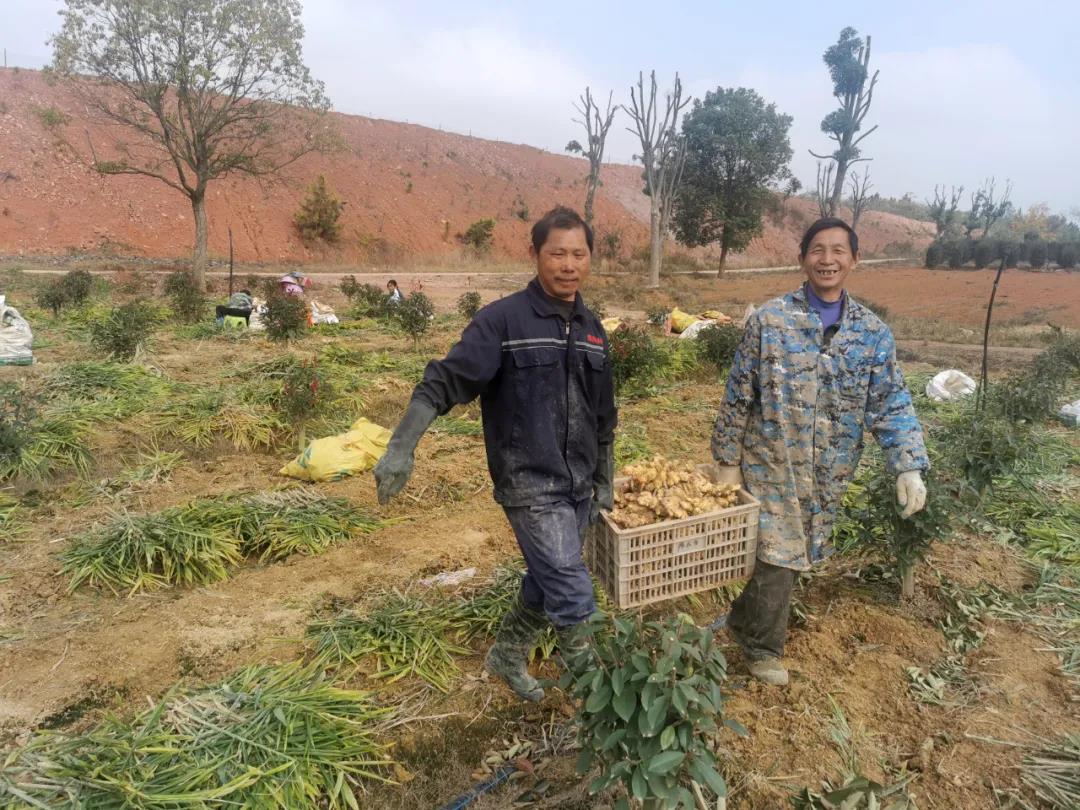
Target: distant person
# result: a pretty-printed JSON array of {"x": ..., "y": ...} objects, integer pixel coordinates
[
  {"x": 239, "y": 305},
  {"x": 394, "y": 294},
  {"x": 815, "y": 368},
  {"x": 294, "y": 283}
]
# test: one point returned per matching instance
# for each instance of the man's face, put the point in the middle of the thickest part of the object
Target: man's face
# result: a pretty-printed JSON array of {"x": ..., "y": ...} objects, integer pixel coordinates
[
  {"x": 827, "y": 263},
  {"x": 563, "y": 262}
]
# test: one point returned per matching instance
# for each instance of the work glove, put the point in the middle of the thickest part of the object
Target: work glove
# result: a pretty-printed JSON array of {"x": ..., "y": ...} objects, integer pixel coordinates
[
  {"x": 910, "y": 493},
  {"x": 603, "y": 482},
  {"x": 729, "y": 474},
  {"x": 394, "y": 468}
]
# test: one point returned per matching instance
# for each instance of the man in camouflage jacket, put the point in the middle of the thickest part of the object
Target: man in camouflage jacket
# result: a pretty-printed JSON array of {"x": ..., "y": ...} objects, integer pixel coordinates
[{"x": 814, "y": 370}]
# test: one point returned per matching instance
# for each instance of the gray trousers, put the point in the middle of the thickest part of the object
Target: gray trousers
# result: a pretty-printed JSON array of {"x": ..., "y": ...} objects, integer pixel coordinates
[{"x": 759, "y": 616}]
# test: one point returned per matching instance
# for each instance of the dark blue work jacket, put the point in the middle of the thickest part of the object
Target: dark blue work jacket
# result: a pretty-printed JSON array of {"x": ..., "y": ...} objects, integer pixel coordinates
[{"x": 545, "y": 389}]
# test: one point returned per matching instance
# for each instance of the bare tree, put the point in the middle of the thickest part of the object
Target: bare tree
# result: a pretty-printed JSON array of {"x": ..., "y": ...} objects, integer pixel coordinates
[
  {"x": 663, "y": 154},
  {"x": 208, "y": 88},
  {"x": 860, "y": 189},
  {"x": 849, "y": 67},
  {"x": 942, "y": 209},
  {"x": 824, "y": 188},
  {"x": 596, "y": 126}
]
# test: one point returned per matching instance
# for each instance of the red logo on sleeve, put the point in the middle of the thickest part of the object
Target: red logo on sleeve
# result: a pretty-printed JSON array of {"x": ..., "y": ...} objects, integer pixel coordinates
[{"x": 593, "y": 339}]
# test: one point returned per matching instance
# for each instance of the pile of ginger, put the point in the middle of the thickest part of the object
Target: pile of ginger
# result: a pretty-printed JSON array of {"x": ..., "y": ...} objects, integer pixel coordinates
[{"x": 659, "y": 490}]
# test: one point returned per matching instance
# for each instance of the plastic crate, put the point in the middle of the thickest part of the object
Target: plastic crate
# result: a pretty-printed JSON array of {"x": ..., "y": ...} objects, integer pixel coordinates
[{"x": 674, "y": 557}]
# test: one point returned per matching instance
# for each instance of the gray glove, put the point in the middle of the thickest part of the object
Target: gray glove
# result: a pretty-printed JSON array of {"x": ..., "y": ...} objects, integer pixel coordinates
[
  {"x": 394, "y": 468},
  {"x": 603, "y": 482}
]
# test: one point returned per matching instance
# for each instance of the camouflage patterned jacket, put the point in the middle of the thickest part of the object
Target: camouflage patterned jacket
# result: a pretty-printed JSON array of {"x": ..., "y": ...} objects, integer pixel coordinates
[{"x": 794, "y": 413}]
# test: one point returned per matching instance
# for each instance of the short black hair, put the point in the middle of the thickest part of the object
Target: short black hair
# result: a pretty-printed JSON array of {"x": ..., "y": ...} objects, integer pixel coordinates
[
  {"x": 824, "y": 224},
  {"x": 391, "y": 281},
  {"x": 246, "y": 292},
  {"x": 563, "y": 218}
]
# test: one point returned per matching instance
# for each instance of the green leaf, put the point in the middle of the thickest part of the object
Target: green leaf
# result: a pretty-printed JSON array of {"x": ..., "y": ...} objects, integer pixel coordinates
[
  {"x": 618, "y": 680},
  {"x": 622, "y": 804},
  {"x": 625, "y": 704},
  {"x": 737, "y": 727},
  {"x": 613, "y": 739},
  {"x": 678, "y": 700},
  {"x": 704, "y": 772},
  {"x": 584, "y": 762},
  {"x": 654, "y": 717},
  {"x": 599, "y": 699},
  {"x": 638, "y": 786},
  {"x": 666, "y": 762},
  {"x": 667, "y": 737}
]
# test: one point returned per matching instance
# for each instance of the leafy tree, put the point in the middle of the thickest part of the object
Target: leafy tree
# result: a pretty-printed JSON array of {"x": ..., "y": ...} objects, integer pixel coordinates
[
  {"x": 414, "y": 315},
  {"x": 662, "y": 155},
  {"x": 849, "y": 68},
  {"x": 319, "y": 213},
  {"x": 982, "y": 253},
  {"x": 208, "y": 88},
  {"x": 1037, "y": 254},
  {"x": 934, "y": 255},
  {"x": 736, "y": 147},
  {"x": 596, "y": 125},
  {"x": 71, "y": 289}
]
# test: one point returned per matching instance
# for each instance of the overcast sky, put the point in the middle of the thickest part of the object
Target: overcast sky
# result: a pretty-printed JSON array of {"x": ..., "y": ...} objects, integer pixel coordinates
[{"x": 967, "y": 89}]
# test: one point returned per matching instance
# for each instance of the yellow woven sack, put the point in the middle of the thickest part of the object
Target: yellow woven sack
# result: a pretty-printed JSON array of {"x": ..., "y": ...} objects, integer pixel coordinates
[
  {"x": 335, "y": 457},
  {"x": 680, "y": 320}
]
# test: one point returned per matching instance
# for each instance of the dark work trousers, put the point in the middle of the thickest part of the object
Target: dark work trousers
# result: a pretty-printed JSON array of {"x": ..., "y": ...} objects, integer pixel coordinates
[
  {"x": 759, "y": 616},
  {"x": 556, "y": 582}
]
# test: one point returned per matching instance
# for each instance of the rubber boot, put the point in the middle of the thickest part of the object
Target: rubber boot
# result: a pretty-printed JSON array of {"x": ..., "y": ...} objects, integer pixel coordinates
[
  {"x": 509, "y": 655},
  {"x": 768, "y": 670},
  {"x": 574, "y": 647}
]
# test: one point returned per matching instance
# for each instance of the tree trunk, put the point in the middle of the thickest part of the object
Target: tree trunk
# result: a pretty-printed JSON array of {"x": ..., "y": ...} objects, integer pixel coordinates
[
  {"x": 723, "y": 258},
  {"x": 198, "y": 258},
  {"x": 907, "y": 582},
  {"x": 656, "y": 244},
  {"x": 590, "y": 193},
  {"x": 838, "y": 187}
]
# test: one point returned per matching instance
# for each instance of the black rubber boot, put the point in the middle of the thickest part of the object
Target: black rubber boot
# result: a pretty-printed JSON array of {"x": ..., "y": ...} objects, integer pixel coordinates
[
  {"x": 574, "y": 647},
  {"x": 509, "y": 655}
]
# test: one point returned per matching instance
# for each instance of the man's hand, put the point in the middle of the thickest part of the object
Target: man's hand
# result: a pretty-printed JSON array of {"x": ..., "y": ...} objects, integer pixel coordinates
[
  {"x": 910, "y": 493},
  {"x": 394, "y": 468},
  {"x": 392, "y": 473},
  {"x": 603, "y": 483},
  {"x": 729, "y": 474}
]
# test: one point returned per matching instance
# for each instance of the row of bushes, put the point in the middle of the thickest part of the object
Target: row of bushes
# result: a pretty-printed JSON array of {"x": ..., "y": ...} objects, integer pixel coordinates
[{"x": 956, "y": 253}]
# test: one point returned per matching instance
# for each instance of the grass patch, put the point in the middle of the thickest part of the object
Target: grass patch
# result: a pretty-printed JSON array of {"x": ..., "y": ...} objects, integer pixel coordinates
[
  {"x": 58, "y": 441},
  {"x": 198, "y": 543},
  {"x": 402, "y": 634},
  {"x": 269, "y": 736},
  {"x": 11, "y": 518},
  {"x": 227, "y": 413}
]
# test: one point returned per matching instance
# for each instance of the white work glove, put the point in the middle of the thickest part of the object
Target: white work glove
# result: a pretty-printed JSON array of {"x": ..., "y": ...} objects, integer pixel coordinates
[
  {"x": 910, "y": 492},
  {"x": 729, "y": 474}
]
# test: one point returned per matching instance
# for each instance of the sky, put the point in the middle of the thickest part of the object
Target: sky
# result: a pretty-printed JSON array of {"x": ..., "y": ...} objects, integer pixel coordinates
[{"x": 967, "y": 90}]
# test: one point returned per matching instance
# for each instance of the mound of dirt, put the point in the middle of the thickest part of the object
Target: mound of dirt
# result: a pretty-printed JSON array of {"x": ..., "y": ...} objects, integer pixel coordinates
[{"x": 409, "y": 191}]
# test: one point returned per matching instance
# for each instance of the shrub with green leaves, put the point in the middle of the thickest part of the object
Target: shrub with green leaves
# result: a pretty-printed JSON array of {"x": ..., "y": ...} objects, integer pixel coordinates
[
  {"x": 368, "y": 300},
  {"x": 479, "y": 235},
  {"x": 186, "y": 297},
  {"x": 319, "y": 213},
  {"x": 934, "y": 255},
  {"x": 18, "y": 412},
  {"x": 982, "y": 446},
  {"x": 469, "y": 304},
  {"x": 1036, "y": 392},
  {"x": 651, "y": 708},
  {"x": 904, "y": 542},
  {"x": 414, "y": 315},
  {"x": 71, "y": 289},
  {"x": 716, "y": 344},
  {"x": 305, "y": 390},
  {"x": 635, "y": 357},
  {"x": 286, "y": 317},
  {"x": 124, "y": 331}
]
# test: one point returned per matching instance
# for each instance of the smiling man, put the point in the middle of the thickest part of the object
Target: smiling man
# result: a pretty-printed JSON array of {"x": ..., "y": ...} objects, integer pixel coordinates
[
  {"x": 538, "y": 360},
  {"x": 814, "y": 370}
]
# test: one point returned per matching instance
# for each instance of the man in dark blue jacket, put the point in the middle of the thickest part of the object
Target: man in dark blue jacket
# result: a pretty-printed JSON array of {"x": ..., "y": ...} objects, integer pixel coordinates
[{"x": 538, "y": 360}]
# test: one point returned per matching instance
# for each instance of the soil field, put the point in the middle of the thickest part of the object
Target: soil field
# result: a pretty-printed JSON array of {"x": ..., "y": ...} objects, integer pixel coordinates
[{"x": 69, "y": 657}]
